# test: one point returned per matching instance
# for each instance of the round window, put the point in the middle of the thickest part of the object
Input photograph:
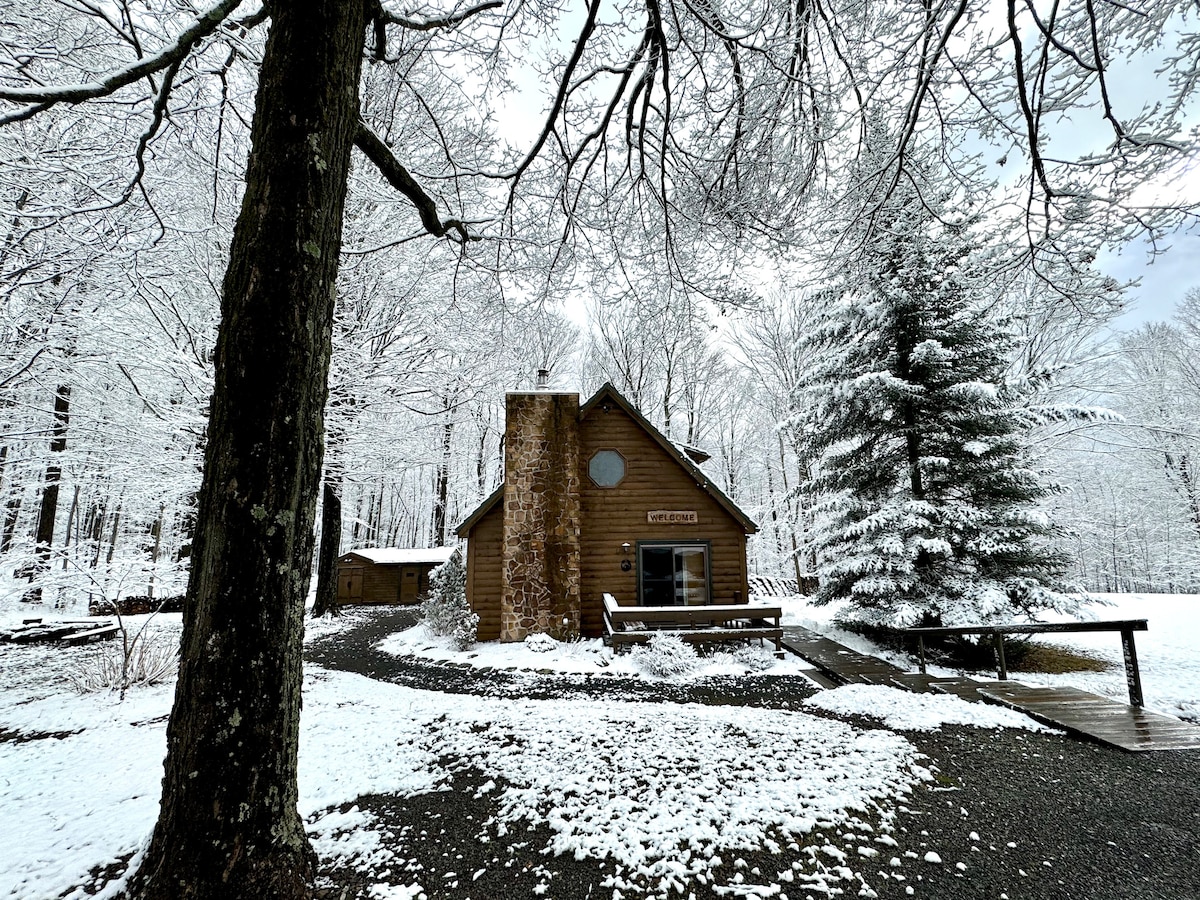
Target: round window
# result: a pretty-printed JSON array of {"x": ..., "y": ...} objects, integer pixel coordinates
[{"x": 606, "y": 468}]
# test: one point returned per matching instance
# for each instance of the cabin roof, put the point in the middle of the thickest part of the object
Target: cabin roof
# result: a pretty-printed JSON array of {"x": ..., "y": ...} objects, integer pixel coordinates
[
  {"x": 403, "y": 556},
  {"x": 480, "y": 511},
  {"x": 609, "y": 394}
]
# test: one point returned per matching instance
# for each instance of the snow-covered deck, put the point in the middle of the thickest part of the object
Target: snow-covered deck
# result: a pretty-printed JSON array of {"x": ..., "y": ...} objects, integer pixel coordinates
[{"x": 696, "y": 624}]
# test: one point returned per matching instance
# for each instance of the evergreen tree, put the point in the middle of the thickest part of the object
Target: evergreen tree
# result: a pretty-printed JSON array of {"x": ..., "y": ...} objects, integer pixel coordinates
[{"x": 928, "y": 499}]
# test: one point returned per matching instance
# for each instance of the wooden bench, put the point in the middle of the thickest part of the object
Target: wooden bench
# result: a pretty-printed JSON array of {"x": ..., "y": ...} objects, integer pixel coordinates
[
  {"x": 1127, "y": 627},
  {"x": 67, "y": 631},
  {"x": 103, "y": 632},
  {"x": 625, "y": 625}
]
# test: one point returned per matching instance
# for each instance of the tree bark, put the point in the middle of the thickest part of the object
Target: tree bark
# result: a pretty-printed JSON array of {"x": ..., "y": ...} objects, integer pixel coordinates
[
  {"x": 442, "y": 486},
  {"x": 228, "y": 824},
  {"x": 48, "y": 512},
  {"x": 12, "y": 504},
  {"x": 58, "y": 443},
  {"x": 325, "y": 603},
  {"x": 112, "y": 541},
  {"x": 12, "y": 511}
]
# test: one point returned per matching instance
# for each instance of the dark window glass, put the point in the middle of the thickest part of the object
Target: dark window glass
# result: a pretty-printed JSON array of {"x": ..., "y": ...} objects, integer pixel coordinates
[{"x": 674, "y": 575}]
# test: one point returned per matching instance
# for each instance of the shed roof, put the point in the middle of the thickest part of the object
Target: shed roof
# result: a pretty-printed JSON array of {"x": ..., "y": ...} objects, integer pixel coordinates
[
  {"x": 609, "y": 393},
  {"x": 404, "y": 556}
]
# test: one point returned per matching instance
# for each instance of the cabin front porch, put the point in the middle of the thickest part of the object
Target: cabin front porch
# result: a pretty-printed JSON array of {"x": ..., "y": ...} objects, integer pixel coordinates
[{"x": 625, "y": 625}]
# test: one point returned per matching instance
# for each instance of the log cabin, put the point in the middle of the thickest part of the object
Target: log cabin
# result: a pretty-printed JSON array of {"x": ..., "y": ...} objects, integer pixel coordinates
[
  {"x": 376, "y": 575},
  {"x": 596, "y": 501}
]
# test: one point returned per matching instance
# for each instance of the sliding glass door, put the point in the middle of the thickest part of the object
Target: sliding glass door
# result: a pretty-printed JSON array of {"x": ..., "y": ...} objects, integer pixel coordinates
[{"x": 673, "y": 574}]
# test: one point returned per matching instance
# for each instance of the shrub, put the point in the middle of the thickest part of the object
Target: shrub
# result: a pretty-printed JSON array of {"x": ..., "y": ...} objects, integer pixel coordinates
[
  {"x": 445, "y": 610},
  {"x": 754, "y": 657},
  {"x": 667, "y": 656},
  {"x": 540, "y": 643},
  {"x": 120, "y": 664}
]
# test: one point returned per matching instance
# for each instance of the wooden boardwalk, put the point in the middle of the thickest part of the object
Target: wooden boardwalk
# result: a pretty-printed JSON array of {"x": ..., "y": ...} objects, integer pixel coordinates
[
  {"x": 1100, "y": 718},
  {"x": 836, "y": 661},
  {"x": 1078, "y": 712}
]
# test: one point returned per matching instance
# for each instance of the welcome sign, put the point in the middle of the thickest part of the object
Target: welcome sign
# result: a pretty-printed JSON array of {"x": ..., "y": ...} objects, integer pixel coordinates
[{"x": 672, "y": 517}]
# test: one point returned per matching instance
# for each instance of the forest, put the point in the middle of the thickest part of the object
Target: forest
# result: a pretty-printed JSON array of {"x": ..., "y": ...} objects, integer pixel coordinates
[
  {"x": 111, "y": 265},
  {"x": 117, "y": 231}
]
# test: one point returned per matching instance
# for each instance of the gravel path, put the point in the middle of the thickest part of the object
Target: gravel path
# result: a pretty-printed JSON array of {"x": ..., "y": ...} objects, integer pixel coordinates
[{"x": 1028, "y": 816}]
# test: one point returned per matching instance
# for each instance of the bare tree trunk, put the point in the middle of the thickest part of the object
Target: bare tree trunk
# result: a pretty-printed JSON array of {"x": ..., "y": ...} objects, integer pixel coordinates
[
  {"x": 481, "y": 461},
  {"x": 58, "y": 443},
  {"x": 156, "y": 531},
  {"x": 794, "y": 517},
  {"x": 325, "y": 603},
  {"x": 376, "y": 523},
  {"x": 442, "y": 497},
  {"x": 72, "y": 519},
  {"x": 356, "y": 528},
  {"x": 228, "y": 825},
  {"x": 12, "y": 505},
  {"x": 44, "y": 537},
  {"x": 112, "y": 540},
  {"x": 12, "y": 512}
]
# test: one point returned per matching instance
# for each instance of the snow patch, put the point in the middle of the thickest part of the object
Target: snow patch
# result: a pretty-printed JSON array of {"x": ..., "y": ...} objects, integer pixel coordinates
[{"x": 906, "y": 711}]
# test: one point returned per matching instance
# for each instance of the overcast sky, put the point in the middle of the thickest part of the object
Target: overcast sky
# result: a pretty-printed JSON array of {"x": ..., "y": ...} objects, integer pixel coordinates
[{"x": 1163, "y": 282}]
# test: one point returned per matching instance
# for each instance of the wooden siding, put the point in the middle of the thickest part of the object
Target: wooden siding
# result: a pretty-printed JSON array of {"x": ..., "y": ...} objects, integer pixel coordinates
[
  {"x": 383, "y": 583},
  {"x": 612, "y": 516},
  {"x": 485, "y": 571},
  {"x": 616, "y": 515}
]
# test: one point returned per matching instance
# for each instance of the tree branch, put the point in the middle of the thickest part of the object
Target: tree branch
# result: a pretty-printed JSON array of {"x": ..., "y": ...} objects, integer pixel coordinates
[
  {"x": 446, "y": 21},
  {"x": 399, "y": 177},
  {"x": 114, "y": 81},
  {"x": 560, "y": 95}
]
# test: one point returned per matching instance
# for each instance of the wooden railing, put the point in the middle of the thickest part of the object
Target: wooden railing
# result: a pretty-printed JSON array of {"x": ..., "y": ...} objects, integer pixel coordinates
[
  {"x": 737, "y": 621},
  {"x": 1127, "y": 627}
]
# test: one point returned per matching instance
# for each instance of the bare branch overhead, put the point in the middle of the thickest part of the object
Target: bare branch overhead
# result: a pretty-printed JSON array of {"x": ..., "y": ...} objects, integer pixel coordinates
[{"x": 205, "y": 25}]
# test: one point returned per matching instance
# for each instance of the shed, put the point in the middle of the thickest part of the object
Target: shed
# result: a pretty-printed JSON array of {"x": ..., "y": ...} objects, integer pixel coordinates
[
  {"x": 387, "y": 574},
  {"x": 596, "y": 501}
]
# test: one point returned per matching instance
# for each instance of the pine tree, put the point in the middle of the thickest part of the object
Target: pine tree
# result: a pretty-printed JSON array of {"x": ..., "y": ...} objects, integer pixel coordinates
[{"x": 929, "y": 503}]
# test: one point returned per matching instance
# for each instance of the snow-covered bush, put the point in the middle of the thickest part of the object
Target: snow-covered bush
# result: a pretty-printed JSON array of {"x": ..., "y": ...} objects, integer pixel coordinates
[
  {"x": 666, "y": 655},
  {"x": 540, "y": 643},
  {"x": 445, "y": 610},
  {"x": 754, "y": 657}
]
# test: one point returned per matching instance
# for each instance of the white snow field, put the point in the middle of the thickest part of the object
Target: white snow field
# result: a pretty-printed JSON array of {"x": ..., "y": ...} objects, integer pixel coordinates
[{"x": 80, "y": 774}]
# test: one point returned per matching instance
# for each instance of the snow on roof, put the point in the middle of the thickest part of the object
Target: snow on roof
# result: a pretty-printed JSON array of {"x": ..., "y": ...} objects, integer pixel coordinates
[{"x": 405, "y": 556}]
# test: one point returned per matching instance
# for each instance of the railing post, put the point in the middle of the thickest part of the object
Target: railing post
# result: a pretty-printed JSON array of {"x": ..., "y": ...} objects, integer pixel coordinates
[
  {"x": 998, "y": 637},
  {"x": 1133, "y": 677},
  {"x": 921, "y": 652}
]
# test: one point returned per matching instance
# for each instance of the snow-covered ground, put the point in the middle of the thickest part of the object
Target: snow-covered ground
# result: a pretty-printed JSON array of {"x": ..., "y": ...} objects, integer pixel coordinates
[
  {"x": 1168, "y": 652},
  {"x": 79, "y": 774},
  {"x": 586, "y": 657}
]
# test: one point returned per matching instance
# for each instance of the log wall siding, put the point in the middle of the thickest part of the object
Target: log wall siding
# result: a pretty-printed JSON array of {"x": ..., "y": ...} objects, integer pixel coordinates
[
  {"x": 485, "y": 571},
  {"x": 612, "y": 516}
]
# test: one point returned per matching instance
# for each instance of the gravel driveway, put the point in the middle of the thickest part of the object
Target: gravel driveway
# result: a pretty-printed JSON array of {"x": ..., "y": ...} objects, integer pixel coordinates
[{"x": 1014, "y": 814}]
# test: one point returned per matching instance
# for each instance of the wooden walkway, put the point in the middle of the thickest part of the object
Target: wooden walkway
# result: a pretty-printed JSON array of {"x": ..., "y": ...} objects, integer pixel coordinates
[
  {"x": 1100, "y": 718},
  {"x": 1078, "y": 712}
]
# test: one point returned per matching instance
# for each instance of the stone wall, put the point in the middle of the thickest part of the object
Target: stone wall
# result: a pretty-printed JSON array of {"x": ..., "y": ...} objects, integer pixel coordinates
[{"x": 541, "y": 516}]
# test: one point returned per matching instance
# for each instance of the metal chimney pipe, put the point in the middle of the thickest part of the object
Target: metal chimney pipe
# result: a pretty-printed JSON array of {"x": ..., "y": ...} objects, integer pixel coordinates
[{"x": 543, "y": 379}]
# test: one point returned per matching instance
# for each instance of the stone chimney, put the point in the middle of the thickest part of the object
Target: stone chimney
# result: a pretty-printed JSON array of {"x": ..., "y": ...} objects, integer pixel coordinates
[{"x": 540, "y": 552}]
